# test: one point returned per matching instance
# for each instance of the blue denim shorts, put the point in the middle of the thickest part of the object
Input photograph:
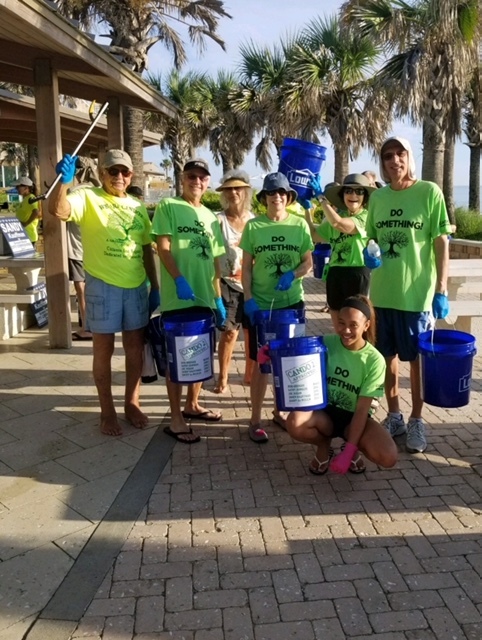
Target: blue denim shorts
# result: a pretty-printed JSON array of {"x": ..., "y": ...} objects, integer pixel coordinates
[
  {"x": 111, "y": 309},
  {"x": 398, "y": 331}
]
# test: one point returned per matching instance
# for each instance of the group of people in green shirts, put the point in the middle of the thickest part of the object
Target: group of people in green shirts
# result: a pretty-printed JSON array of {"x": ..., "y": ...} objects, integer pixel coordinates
[{"x": 273, "y": 253}]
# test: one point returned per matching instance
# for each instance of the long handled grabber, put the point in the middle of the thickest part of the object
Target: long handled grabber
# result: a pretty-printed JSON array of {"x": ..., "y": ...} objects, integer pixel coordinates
[{"x": 45, "y": 195}]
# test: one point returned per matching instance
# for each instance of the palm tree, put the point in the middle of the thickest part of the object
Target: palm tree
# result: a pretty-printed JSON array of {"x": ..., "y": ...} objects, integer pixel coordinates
[
  {"x": 473, "y": 131},
  {"x": 231, "y": 135},
  {"x": 167, "y": 164},
  {"x": 431, "y": 61},
  {"x": 135, "y": 26},
  {"x": 330, "y": 88},
  {"x": 190, "y": 128}
]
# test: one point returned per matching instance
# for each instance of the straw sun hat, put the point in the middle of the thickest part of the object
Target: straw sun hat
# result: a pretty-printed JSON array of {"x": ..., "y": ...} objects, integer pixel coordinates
[{"x": 354, "y": 180}]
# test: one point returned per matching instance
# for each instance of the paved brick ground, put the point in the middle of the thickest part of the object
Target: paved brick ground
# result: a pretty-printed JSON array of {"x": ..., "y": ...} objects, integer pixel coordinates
[{"x": 239, "y": 542}]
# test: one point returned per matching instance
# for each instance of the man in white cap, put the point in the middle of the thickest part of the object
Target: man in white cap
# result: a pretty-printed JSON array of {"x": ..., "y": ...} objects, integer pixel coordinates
[
  {"x": 28, "y": 213},
  {"x": 409, "y": 221},
  {"x": 118, "y": 259}
]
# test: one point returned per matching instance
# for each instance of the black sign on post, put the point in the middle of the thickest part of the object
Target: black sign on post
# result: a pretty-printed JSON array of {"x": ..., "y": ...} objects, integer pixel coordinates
[
  {"x": 39, "y": 307},
  {"x": 13, "y": 239}
]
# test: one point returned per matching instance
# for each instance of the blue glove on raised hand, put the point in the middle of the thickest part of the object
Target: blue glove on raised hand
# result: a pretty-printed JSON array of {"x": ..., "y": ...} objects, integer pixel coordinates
[
  {"x": 305, "y": 203},
  {"x": 183, "y": 289},
  {"x": 370, "y": 261},
  {"x": 285, "y": 282},
  {"x": 154, "y": 300},
  {"x": 221, "y": 313},
  {"x": 315, "y": 185},
  {"x": 250, "y": 308},
  {"x": 66, "y": 167},
  {"x": 440, "y": 306}
]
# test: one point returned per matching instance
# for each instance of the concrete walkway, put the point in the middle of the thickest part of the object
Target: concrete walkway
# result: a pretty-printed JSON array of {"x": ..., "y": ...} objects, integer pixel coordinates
[{"x": 140, "y": 537}]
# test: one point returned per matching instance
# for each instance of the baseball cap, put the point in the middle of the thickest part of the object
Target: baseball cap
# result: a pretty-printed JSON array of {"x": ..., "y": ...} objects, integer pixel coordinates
[
  {"x": 117, "y": 156},
  {"x": 405, "y": 144},
  {"x": 197, "y": 163},
  {"x": 22, "y": 181}
]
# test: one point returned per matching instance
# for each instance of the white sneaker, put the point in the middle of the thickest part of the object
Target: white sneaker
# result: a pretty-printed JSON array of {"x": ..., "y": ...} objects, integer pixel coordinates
[
  {"x": 416, "y": 441},
  {"x": 395, "y": 426}
]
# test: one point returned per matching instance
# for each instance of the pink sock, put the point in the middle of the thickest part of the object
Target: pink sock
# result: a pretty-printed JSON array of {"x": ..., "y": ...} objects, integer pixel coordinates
[
  {"x": 341, "y": 462},
  {"x": 263, "y": 356}
]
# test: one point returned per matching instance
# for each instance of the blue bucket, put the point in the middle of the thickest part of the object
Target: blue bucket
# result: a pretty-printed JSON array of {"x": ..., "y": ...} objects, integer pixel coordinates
[
  {"x": 299, "y": 161},
  {"x": 189, "y": 346},
  {"x": 321, "y": 257},
  {"x": 447, "y": 358},
  {"x": 276, "y": 324},
  {"x": 299, "y": 373}
]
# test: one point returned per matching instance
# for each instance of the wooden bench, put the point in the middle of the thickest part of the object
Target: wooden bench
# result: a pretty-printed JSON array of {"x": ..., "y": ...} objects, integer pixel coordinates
[{"x": 461, "y": 314}]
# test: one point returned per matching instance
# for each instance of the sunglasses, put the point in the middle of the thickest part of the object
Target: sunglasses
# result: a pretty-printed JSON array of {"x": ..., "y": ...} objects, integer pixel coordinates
[
  {"x": 192, "y": 177},
  {"x": 282, "y": 192},
  {"x": 389, "y": 155},
  {"x": 112, "y": 171},
  {"x": 358, "y": 192}
]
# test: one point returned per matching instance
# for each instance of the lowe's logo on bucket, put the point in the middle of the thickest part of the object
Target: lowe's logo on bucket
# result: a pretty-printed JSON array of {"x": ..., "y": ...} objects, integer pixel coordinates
[
  {"x": 464, "y": 383},
  {"x": 299, "y": 177},
  {"x": 194, "y": 349},
  {"x": 297, "y": 374}
]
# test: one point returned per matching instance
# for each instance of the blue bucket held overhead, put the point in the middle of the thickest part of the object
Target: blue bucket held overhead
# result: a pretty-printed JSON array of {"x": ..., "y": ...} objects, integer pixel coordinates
[
  {"x": 300, "y": 161},
  {"x": 189, "y": 346},
  {"x": 321, "y": 257},
  {"x": 278, "y": 323},
  {"x": 447, "y": 359},
  {"x": 299, "y": 373}
]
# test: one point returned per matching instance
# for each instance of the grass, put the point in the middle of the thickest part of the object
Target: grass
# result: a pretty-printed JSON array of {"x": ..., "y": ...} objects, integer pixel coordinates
[{"x": 469, "y": 224}]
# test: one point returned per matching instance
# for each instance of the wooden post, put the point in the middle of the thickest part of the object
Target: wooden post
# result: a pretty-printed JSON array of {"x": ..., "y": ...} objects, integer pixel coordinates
[
  {"x": 115, "y": 131},
  {"x": 50, "y": 151}
]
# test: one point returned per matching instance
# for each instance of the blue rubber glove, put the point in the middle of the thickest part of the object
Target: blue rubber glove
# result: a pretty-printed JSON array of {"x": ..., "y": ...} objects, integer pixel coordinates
[
  {"x": 315, "y": 185},
  {"x": 221, "y": 313},
  {"x": 305, "y": 203},
  {"x": 250, "y": 308},
  {"x": 370, "y": 261},
  {"x": 183, "y": 289},
  {"x": 154, "y": 300},
  {"x": 285, "y": 282},
  {"x": 66, "y": 167},
  {"x": 440, "y": 306}
]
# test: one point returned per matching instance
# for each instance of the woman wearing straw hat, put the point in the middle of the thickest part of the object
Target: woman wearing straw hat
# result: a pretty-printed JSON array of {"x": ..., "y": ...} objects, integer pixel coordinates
[
  {"x": 236, "y": 194},
  {"x": 276, "y": 255},
  {"x": 28, "y": 214},
  {"x": 344, "y": 229}
]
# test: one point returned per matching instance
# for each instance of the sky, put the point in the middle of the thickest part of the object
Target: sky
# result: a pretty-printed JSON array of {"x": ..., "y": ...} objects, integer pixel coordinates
[{"x": 265, "y": 22}]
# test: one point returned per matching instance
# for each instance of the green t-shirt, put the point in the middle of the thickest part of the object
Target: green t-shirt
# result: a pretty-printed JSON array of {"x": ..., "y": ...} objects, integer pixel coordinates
[
  {"x": 23, "y": 212},
  {"x": 276, "y": 247},
  {"x": 113, "y": 230},
  {"x": 405, "y": 224},
  {"x": 346, "y": 249},
  {"x": 353, "y": 374},
  {"x": 196, "y": 239}
]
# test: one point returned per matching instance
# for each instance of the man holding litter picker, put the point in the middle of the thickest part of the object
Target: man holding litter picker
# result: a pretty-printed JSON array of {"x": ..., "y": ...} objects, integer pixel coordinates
[{"x": 118, "y": 259}]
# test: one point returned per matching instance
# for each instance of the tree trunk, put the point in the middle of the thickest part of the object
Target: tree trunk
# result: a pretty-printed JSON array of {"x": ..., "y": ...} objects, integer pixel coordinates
[
  {"x": 227, "y": 163},
  {"x": 474, "y": 178},
  {"x": 133, "y": 136},
  {"x": 448, "y": 184},
  {"x": 342, "y": 162},
  {"x": 433, "y": 152}
]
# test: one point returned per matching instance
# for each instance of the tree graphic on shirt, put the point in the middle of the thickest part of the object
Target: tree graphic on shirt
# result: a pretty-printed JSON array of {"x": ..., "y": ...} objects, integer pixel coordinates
[
  {"x": 339, "y": 398},
  {"x": 277, "y": 261},
  {"x": 201, "y": 242},
  {"x": 394, "y": 239},
  {"x": 340, "y": 250}
]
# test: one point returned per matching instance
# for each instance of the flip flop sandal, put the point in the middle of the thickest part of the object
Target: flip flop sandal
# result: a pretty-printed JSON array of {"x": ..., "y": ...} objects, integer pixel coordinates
[
  {"x": 278, "y": 420},
  {"x": 355, "y": 465},
  {"x": 178, "y": 435},
  {"x": 207, "y": 416},
  {"x": 257, "y": 434},
  {"x": 318, "y": 471}
]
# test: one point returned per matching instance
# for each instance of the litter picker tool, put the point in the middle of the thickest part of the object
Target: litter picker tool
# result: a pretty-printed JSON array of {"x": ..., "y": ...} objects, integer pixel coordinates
[{"x": 45, "y": 195}]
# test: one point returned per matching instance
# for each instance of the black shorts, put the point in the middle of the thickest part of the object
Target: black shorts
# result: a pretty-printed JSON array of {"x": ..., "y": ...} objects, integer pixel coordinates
[
  {"x": 253, "y": 333},
  {"x": 341, "y": 418},
  {"x": 76, "y": 270},
  {"x": 234, "y": 303},
  {"x": 343, "y": 282}
]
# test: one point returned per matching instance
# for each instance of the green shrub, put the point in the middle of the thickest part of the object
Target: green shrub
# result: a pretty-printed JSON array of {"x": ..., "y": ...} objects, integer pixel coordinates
[
  {"x": 211, "y": 200},
  {"x": 469, "y": 224}
]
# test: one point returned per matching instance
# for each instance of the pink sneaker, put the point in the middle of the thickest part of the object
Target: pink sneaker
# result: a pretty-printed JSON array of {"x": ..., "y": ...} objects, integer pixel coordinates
[{"x": 257, "y": 434}]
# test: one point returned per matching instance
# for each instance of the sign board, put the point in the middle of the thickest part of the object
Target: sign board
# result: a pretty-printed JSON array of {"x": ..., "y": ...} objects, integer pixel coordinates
[
  {"x": 39, "y": 307},
  {"x": 13, "y": 239}
]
